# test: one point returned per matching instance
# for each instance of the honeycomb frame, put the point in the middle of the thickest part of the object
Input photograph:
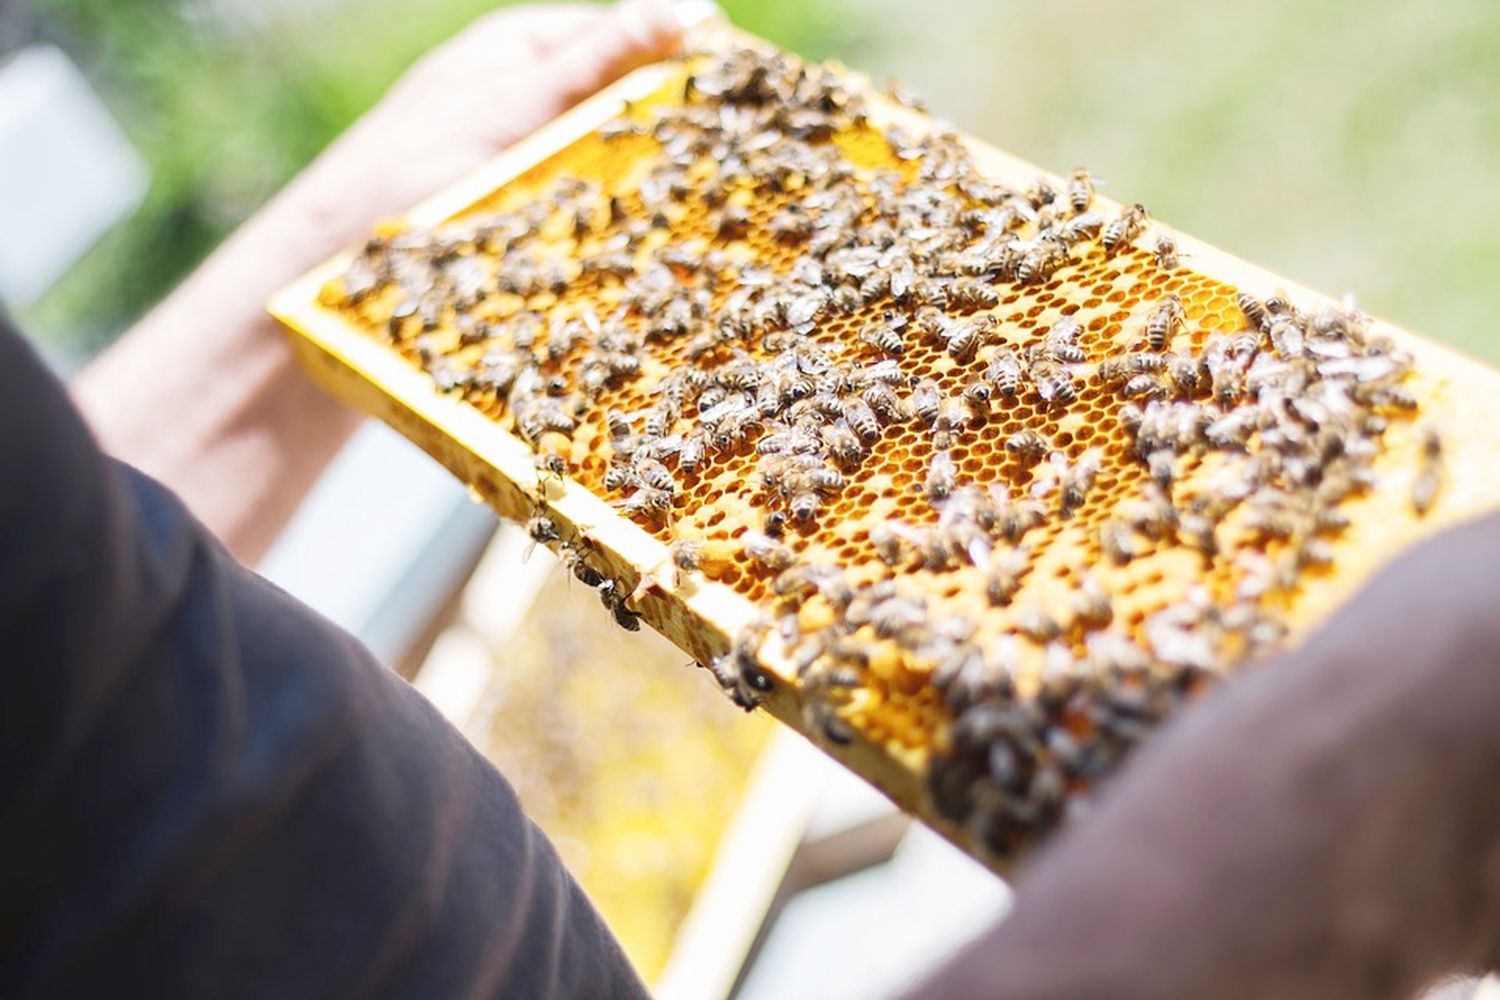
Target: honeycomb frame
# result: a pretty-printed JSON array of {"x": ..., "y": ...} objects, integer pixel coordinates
[{"x": 702, "y": 616}]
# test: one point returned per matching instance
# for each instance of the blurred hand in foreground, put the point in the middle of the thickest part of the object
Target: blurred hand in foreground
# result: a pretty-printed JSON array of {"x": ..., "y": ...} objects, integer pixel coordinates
[
  {"x": 1327, "y": 825},
  {"x": 243, "y": 455}
]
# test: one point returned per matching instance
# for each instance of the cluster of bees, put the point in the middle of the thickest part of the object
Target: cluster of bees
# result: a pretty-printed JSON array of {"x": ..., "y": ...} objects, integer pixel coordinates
[{"x": 761, "y": 296}]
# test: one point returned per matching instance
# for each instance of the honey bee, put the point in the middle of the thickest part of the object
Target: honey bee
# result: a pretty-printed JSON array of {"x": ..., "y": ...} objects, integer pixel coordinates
[
  {"x": 963, "y": 337},
  {"x": 1004, "y": 574},
  {"x": 1080, "y": 190},
  {"x": 965, "y": 676},
  {"x": 1389, "y": 396},
  {"x": 1196, "y": 531},
  {"x": 694, "y": 451},
  {"x": 843, "y": 443},
  {"x": 861, "y": 419},
  {"x": 1228, "y": 382},
  {"x": 646, "y": 500},
  {"x": 822, "y": 479},
  {"x": 937, "y": 549},
  {"x": 1016, "y": 518},
  {"x": 542, "y": 529},
  {"x": 791, "y": 224},
  {"x": 1092, "y": 607},
  {"x": 929, "y": 292},
  {"x": 695, "y": 556},
  {"x": 686, "y": 554},
  {"x": 890, "y": 544},
  {"x": 1164, "y": 323},
  {"x": 1131, "y": 418},
  {"x": 535, "y": 418},
  {"x": 1313, "y": 553},
  {"x": 1054, "y": 383},
  {"x": 767, "y": 552},
  {"x": 1162, "y": 465},
  {"x": 550, "y": 465},
  {"x": 926, "y": 400},
  {"x": 977, "y": 394},
  {"x": 1061, "y": 341},
  {"x": 1037, "y": 625},
  {"x": 1118, "y": 541},
  {"x": 1124, "y": 228},
  {"x": 942, "y": 476},
  {"x": 1041, "y": 193},
  {"x": 1070, "y": 232},
  {"x": 1429, "y": 479},
  {"x": 822, "y": 718},
  {"x": 1288, "y": 338},
  {"x": 739, "y": 673},
  {"x": 1120, "y": 368},
  {"x": 1345, "y": 322},
  {"x": 1145, "y": 387},
  {"x": 653, "y": 474},
  {"x": 1279, "y": 306},
  {"x": 1184, "y": 373},
  {"x": 805, "y": 506},
  {"x": 903, "y": 275},
  {"x": 882, "y": 399},
  {"x": 618, "y": 128},
  {"x": 1165, "y": 252},
  {"x": 1254, "y": 310},
  {"x": 897, "y": 614},
  {"x": 885, "y": 334},
  {"x": 1028, "y": 445},
  {"x": 799, "y": 582},
  {"x": 1040, "y": 262},
  {"x": 969, "y": 293},
  {"x": 1077, "y": 480},
  {"x": 575, "y": 561},
  {"x": 1004, "y": 370},
  {"x": 1152, "y": 513},
  {"x": 613, "y": 597}
]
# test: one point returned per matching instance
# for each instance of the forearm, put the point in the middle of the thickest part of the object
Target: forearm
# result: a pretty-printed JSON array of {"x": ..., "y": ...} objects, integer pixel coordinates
[
  {"x": 204, "y": 394},
  {"x": 1327, "y": 826}
]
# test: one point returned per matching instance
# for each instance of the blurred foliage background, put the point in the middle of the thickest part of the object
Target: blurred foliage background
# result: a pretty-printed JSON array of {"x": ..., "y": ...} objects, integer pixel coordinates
[{"x": 1348, "y": 144}]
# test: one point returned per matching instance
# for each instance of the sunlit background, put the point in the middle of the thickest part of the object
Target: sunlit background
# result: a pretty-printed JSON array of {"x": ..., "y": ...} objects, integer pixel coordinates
[{"x": 1348, "y": 145}]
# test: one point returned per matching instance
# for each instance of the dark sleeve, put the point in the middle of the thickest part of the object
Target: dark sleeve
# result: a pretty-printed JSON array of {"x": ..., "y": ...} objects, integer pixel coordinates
[{"x": 208, "y": 790}]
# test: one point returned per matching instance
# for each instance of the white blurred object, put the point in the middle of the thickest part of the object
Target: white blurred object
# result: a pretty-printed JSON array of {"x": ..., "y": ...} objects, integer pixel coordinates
[
  {"x": 1489, "y": 989},
  {"x": 67, "y": 172},
  {"x": 866, "y": 934},
  {"x": 381, "y": 542}
]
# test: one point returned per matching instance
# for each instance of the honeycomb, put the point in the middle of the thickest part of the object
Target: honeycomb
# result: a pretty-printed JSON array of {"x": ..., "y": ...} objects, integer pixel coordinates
[{"x": 1104, "y": 625}]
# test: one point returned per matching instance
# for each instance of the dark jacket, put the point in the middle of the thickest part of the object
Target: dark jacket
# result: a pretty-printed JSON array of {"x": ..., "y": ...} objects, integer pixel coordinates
[{"x": 208, "y": 790}]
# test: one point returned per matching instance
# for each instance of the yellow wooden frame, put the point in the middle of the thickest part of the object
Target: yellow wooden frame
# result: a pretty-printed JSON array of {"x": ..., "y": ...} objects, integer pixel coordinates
[{"x": 1458, "y": 393}]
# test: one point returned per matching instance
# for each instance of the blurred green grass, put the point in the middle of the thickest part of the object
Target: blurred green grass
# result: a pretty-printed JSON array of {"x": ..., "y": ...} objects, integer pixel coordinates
[
  {"x": 1349, "y": 144},
  {"x": 1346, "y": 144}
]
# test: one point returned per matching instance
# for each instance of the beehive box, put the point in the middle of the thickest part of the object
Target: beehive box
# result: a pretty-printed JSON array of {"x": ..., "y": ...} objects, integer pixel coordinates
[
  {"x": 635, "y": 773},
  {"x": 1286, "y": 434}
]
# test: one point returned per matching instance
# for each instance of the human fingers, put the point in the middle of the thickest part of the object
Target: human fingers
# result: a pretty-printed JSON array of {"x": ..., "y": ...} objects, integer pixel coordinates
[
  {"x": 530, "y": 30},
  {"x": 635, "y": 32}
]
